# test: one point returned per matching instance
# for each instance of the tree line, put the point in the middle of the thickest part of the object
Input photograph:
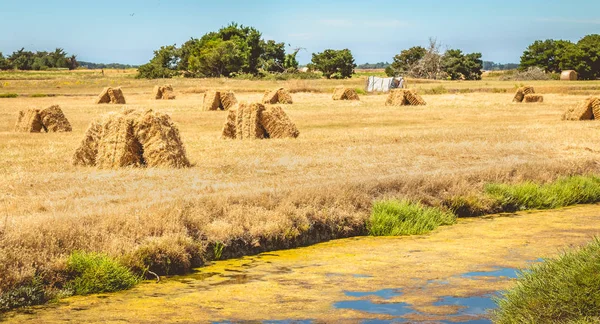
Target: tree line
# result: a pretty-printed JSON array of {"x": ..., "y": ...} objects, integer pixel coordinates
[
  {"x": 40, "y": 60},
  {"x": 95, "y": 66}
]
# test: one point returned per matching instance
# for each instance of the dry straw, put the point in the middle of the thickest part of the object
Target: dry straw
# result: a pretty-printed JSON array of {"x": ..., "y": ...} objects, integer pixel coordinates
[
  {"x": 118, "y": 146},
  {"x": 403, "y": 97},
  {"x": 53, "y": 120},
  {"x": 228, "y": 100},
  {"x": 248, "y": 121},
  {"x": 29, "y": 121},
  {"x": 277, "y": 124},
  {"x": 212, "y": 100},
  {"x": 341, "y": 93},
  {"x": 111, "y": 95},
  {"x": 163, "y": 92},
  {"x": 521, "y": 92},
  {"x": 584, "y": 111},
  {"x": 160, "y": 139},
  {"x": 86, "y": 153},
  {"x": 534, "y": 98},
  {"x": 279, "y": 95},
  {"x": 229, "y": 127},
  {"x": 253, "y": 120}
]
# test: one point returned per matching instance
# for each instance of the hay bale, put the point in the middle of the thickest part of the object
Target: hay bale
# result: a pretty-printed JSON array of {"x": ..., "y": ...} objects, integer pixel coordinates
[
  {"x": 533, "y": 98},
  {"x": 228, "y": 100},
  {"x": 279, "y": 95},
  {"x": 568, "y": 75},
  {"x": 29, "y": 121},
  {"x": 103, "y": 97},
  {"x": 528, "y": 90},
  {"x": 163, "y": 92},
  {"x": 594, "y": 102},
  {"x": 413, "y": 98},
  {"x": 270, "y": 97},
  {"x": 582, "y": 111},
  {"x": 157, "y": 92},
  {"x": 118, "y": 145},
  {"x": 277, "y": 124},
  {"x": 396, "y": 97},
  {"x": 341, "y": 93},
  {"x": 159, "y": 137},
  {"x": 212, "y": 100},
  {"x": 229, "y": 127},
  {"x": 53, "y": 120},
  {"x": 116, "y": 96},
  {"x": 248, "y": 121},
  {"x": 522, "y": 92},
  {"x": 86, "y": 153}
]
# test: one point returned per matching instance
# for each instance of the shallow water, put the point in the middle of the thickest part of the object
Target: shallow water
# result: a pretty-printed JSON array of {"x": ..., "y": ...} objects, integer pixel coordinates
[{"x": 446, "y": 277}]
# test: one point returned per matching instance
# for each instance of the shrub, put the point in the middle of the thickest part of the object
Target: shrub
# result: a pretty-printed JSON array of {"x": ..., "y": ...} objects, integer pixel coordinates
[
  {"x": 334, "y": 64},
  {"x": 561, "y": 290},
  {"x": 29, "y": 294},
  {"x": 360, "y": 91},
  {"x": 166, "y": 255},
  {"x": 96, "y": 273},
  {"x": 563, "y": 192},
  {"x": 39, "y": 95},
  {"x": 394, "y": 217},
  {"x": 532, "y": 73},
  {"x": 8, "y": 95}
]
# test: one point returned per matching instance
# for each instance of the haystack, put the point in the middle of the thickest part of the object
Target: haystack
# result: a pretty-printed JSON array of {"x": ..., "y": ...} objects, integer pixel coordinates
[
  {"x": 279, "y": 95},
  {"x": 53, "y": 120},
  {"x": 533, "y": 98},
  {"x": 132, "y": 138},
  {"x": 159, "y": 137},
  {"x": 521, "y": 92},
  {"x": 248, "y": 121},
  {"x": 111, "y": 95},
  {"x": 163, "y": 92},
  {"x": 404, "y": 97},
  {"x": 341, "y": 93},
  {"x": 587, "y": 110},
  {"x": 255, "y": 121},
  {"x": 568, "y": 75},
  {"x": 277, "y": 124},
  {"x": 219, "y": 100},
  {"x": 29, "y": 121}
]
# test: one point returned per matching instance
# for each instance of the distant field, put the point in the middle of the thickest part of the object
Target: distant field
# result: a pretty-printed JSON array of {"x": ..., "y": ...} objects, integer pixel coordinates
[{"x": 255, "y": 192}]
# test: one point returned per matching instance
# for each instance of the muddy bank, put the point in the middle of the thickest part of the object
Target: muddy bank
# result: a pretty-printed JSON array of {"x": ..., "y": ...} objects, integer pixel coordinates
[{"x": 448, "y": 275}]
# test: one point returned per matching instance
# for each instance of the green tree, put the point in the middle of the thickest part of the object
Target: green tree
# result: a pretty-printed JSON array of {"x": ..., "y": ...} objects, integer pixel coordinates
[
  {"x": 291, "y": 63},
  {"x": 589, "y": 51},
  {"x": 547, "y": 55},
  {"x": 4, "y": 64},
  {"x": 21, "y": 59},
  {"x": 273, "y": 58},
  {"x": 334, "y": 64},
  {"x": 216, "y": 58},
  {"x": 406, "y": 60},
  {"x": 162, "y": 65}
]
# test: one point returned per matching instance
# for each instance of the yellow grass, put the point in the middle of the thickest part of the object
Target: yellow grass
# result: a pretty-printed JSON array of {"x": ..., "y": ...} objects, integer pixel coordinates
[{"x": 348, "y": 153}]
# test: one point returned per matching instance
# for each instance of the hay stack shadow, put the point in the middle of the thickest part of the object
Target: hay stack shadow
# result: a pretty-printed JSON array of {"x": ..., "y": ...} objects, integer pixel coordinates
[
  {"x": 49, "y": 120},
  {"x": 342, "y": 93},
  {"x": 277, "y": 96},
  {"x": 522, "y": 92},
  {"x": 218, "y": 100},
  {"x": 254, "y": 121},
  {"x": 404, "y": 97},
  {"x": 587, "y": 110},
  {"x": 164, "y": 92},
  {"x": 132, "y": 138},
  {"x": 111, "y": 96}
]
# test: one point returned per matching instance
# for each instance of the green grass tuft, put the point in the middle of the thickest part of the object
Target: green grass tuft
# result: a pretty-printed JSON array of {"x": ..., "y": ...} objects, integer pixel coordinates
[
  {"x": 96, "y": 273},
  {"x": 563, "y": 192},
  {"x": 8, "y": 95},
  {"x": 39, "y": 95},
  {"x": 402, "y": 217},
  {"x": 32, "y": 293},
  {"x": 561, "y": 290}
]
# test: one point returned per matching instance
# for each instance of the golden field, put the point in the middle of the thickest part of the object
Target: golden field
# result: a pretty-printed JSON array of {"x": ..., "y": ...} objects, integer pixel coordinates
[{"x": 264, "y": 194}]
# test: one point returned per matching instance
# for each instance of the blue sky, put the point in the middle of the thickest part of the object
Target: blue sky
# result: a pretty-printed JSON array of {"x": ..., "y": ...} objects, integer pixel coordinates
[{"x": 104, "y": 31}]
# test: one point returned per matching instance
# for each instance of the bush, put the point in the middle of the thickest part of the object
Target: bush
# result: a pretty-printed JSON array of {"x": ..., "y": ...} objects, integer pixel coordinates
[
  {"x": 166, "y": 255},
  {"x": 8, "y": 95},
  {"x": 96, "y": 273},
  {"x": 561, "y": 290},
  {"x": 29, "y": 294},
  {"x": 393, "y": 217},
  {"x": 563, "y": 192},
  {"x": 334, "y": 64},
  {"x": 532, "y": 73}
]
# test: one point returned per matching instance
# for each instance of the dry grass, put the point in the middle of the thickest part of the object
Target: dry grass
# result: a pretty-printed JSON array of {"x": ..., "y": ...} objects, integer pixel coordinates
[{"x": 259, "y": 192}]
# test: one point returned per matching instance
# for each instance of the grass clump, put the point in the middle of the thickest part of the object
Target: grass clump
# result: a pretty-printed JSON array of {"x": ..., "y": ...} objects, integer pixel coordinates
[
  {"x": 561, "y": 290},
  {"x": 8, "y": 95},
  {"x": 563, "y": 192},
  {"x": 32, "y": 293},
  {"x": 39, "y": 95},
  {"x": 402, "y": 217},
  {"x": 96, "y": 273}
]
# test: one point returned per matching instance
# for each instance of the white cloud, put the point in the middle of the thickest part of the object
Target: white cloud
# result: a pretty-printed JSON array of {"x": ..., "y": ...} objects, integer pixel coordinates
[{"x": 570, "y": 20}]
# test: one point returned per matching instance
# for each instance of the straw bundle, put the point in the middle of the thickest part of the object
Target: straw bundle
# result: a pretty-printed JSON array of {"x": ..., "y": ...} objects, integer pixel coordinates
[
  {"x": 86, "y": 153},
  {"x": 163, "y": 92},
  {"x": 594, "y": 102},
  {"x": 53, "y": 120},
  {"x": 229, "y": 127},
  {"x": 534, "y": 98},
  {"x": 341, "y": 93},
  {"x": 404, "y": 97},
  {"x": 413, "y": 98},
  {"x": 29, "y": 121},
  {"x": 159, "y": 137},
  {"x": 118, "y": 146},
  {"x": 582, "y": 111},
  {"x": 248, "y": 121},
  {"x": 521, "y": 92},
  {"x": 212, "y": 100},
  {"x": 277, "y": 124},
  {"x": 228, "y": 100},
  {"x": 116, "y": 96},
  {"x": 103, "y": 97},
  {"x": 279, "y": 95}
]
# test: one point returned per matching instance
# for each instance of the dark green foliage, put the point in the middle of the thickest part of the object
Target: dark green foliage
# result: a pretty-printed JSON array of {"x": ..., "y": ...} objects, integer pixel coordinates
[
  {"x": 41, "y": 60},
  {"x": 95, "y": 66},
  {"x": 334, "y": 64},
  {"x": 162, "y": 65},
  {"x": 380, "y": 65},
  {"x": 4, "y": 64},
  {"x": 32, "y": 293},
  {"x": 273, "y": 58},
  {"x": 462, "y": 66},
  {"x": 492, "y": 66},
  {"x": 563, "y": 192},
  {"x": 561, "y": 290},
  {"x": 96, "y": 273},
  {"x": 558, "y": 55},
  {"x": 402, "y": 217},
  {"x": 8, "y": 95},
  {"x": 406, "y": 60}
]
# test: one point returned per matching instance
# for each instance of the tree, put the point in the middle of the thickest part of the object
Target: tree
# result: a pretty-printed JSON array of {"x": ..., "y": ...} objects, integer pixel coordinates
[
  {"x": 546, "y": 54},
  {"x": 462, "y": 66},
  {"x": 162, "y": 65},
  {"x": 4, "y": 65},
  {"x": 72, "y": 62},
  {"x": 273, "y": 58},
  {"x": 21, "y": 59},
  {"x": 589, "y": 51},
  {"x": 406, "y": 60},
  {"x": 336, "y": 64},
  {"x": 430, "y": 66}
]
